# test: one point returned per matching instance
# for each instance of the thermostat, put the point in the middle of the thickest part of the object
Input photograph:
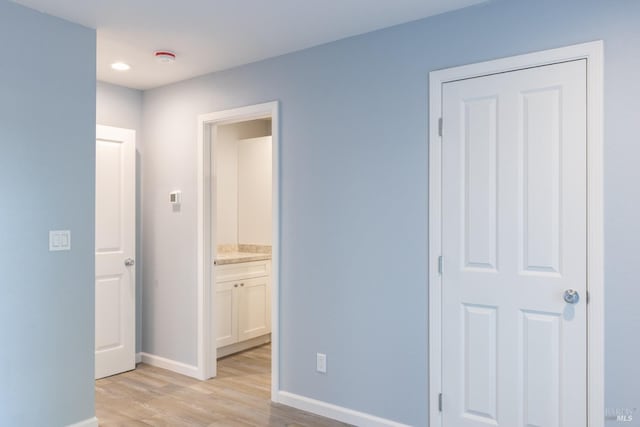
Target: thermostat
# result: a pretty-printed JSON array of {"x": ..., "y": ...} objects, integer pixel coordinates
[{"x": 175, "y": 197}]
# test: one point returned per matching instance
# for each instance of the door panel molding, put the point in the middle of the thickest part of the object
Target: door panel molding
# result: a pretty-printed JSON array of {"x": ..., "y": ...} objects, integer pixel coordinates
[{"x": 592, "y": 52}]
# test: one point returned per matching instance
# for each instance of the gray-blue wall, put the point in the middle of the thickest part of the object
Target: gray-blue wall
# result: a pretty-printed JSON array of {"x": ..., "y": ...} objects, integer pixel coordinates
[
  {"x": 354, "y": 196},
  {"x": 47, "y": 139}
]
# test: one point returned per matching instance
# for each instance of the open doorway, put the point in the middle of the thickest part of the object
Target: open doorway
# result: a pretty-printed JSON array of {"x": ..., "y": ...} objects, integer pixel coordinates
[
  {"x": 238, "y": 233},
  {"x": 241, "y": 228}
]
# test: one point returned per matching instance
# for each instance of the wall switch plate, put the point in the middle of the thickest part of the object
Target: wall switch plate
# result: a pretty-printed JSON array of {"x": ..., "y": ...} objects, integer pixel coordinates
[
  {"x": 321, "y": 363},
  {"x": 175, "y": 197},
  {"x": 59, "y": 240}
]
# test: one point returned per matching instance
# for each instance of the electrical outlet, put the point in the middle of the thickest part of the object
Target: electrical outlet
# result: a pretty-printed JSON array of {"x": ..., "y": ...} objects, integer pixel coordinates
[
  {"x": 175, "y": 197},
  {"x": 321, "y": 363}
]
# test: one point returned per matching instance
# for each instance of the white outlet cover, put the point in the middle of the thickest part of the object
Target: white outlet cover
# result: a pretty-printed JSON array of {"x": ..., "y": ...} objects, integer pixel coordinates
[
  {"x": 59, "y": 240},
  {"x": 175, "y": 197},
  {"x": 321, "y": 363}
]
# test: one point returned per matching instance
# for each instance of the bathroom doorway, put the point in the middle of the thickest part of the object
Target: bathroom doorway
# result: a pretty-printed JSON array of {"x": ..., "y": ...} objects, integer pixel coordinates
[{"x": 238, "y": 229}]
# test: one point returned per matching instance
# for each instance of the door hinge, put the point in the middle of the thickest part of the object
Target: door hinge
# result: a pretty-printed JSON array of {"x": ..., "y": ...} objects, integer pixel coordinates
[
  {"x": 440, "y": 126},
  {"x": 440, "y": 265},
  {"x": 440, "y": 402}
]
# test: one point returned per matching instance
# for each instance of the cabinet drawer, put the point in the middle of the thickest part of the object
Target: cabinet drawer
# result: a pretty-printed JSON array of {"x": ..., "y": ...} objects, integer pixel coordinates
[{"x": 244, "y": 270}]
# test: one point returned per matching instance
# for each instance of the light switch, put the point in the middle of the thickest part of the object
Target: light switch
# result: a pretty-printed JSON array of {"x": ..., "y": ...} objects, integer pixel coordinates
[{"x": 59, "y": 240}]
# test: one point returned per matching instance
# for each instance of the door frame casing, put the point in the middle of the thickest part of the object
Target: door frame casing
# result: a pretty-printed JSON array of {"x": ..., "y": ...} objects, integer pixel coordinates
[
  {"x": 207, "y": 351},
  {"x": 592, "y": 52}
]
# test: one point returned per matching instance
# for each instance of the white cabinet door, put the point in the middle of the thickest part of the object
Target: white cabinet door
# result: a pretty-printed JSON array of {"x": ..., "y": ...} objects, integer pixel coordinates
[
  {"x": 254, "y": 311},
  {"x": 514, "y": 240},
  {"x": 243, "y": 302},
  {"x": 226, "y": 313},
  {"x": 115, "y": 244}
]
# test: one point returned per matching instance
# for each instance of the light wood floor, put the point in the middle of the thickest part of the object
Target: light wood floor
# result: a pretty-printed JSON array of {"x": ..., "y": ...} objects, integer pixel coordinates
[{"x": 239, "y": 396}]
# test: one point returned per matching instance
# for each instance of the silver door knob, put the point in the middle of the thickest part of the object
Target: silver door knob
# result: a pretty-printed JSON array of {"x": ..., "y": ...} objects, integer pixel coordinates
[
  {"x": 129, "y": 262},
  {"x": 571, "y": 296}
]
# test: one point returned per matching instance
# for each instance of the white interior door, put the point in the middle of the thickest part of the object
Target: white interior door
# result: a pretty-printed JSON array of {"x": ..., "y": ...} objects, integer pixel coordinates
[
  {"x": 514, "y": 240},
  {"x": 115, "y": 249}
]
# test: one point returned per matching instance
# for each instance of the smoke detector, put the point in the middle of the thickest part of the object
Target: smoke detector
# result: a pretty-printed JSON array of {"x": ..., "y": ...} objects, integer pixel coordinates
[{"x": 165, "y": 56}]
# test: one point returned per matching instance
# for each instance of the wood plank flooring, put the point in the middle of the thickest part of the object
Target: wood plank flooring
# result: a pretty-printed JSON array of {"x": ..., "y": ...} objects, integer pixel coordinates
[{"x": 238, "y": 397}]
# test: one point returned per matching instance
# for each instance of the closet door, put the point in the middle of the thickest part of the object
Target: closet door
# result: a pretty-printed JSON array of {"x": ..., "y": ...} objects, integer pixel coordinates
[
  {"x": 115, "y": 286},
  {"x": 514, "y": 242}
]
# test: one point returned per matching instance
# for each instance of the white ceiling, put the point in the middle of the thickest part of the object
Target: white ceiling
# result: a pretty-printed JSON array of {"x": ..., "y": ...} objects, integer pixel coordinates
[{"x": 213, "y": 35}]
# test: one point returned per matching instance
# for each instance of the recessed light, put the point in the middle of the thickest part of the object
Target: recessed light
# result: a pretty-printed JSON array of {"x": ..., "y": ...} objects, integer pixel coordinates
[{"x": 120, "y": 66}]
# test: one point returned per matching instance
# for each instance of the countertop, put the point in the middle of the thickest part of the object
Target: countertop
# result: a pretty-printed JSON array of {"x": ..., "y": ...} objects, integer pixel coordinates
[{"x": 238, "y": 257}]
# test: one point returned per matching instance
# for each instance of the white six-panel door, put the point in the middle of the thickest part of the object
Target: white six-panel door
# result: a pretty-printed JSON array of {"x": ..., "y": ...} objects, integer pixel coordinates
[
  {"x": 115, "y": 249},
  {"x": 513, "y": 241}
]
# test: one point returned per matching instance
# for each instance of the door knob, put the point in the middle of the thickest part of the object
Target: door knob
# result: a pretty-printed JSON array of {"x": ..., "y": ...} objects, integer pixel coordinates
[
  {"x": 571, "y": 296},
  {"x": 129, "y": 262}
]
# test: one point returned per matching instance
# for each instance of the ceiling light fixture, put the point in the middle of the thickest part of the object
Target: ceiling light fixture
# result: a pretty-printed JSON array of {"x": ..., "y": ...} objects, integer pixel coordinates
[
  {"x": 165, "y": 56},
  {"x": 120, "y": 66}
]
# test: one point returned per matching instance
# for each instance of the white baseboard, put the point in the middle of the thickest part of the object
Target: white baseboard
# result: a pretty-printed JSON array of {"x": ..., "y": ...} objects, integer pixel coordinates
[
  {"x": 243, "y": 345},
  {"x": 333, "y": 411},
  {"x": 91, "y": 422},
  {"x": 138, "y": 358},
  {"x": 171, "y": 365}
]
